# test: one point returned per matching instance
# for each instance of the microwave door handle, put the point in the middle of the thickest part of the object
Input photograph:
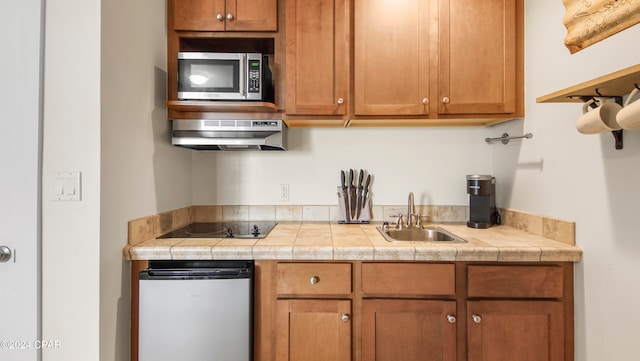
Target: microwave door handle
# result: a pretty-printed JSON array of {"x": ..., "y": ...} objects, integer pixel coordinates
[{"x": 243, "y": 75}]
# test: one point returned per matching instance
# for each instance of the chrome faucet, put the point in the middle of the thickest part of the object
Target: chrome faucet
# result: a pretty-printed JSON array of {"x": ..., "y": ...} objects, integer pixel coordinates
[
  {"x": 411, "y": 212},
  {"x": 413, "y": 219}
]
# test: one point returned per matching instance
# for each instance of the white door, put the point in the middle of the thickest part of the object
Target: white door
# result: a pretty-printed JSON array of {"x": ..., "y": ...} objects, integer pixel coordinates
[{"x": 20, "y": 128}]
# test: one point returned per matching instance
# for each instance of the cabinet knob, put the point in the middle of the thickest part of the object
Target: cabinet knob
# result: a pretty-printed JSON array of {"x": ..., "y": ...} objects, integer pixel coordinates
[
  {"x": 476, "y": 318},
  {"x": 219, "y": 17},
  {"x": 345, "y": 317},
  {"x": 229, "y": 16},
  {"x": 451, "y": 318},
  {"x": 445, "y": 100},
  {"x": 340, "y": 101},
  {"x": 313, "y": 280},
  {"x": 425, "y": 101}
]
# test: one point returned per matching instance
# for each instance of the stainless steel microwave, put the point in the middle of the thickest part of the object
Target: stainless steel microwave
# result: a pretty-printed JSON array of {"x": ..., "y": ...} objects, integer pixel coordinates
[{"x": 224, "y": 76}]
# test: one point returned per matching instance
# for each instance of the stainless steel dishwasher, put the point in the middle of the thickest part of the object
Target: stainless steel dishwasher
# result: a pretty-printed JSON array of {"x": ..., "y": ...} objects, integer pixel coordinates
[{"x": 196, "y": 311}]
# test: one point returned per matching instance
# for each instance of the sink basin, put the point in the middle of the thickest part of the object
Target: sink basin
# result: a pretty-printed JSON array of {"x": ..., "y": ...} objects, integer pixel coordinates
[{"x": 426, "y": 234}]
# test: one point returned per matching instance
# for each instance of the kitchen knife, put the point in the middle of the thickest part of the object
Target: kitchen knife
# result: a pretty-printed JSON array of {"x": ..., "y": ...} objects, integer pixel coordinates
[
  {"x": 366, "y": 190},
  {"x": 352, "y": 196},
  {"x": 345, "y": 197},
  {"x": 359, "y": 194},
  {"x": 342, "y": 206}
]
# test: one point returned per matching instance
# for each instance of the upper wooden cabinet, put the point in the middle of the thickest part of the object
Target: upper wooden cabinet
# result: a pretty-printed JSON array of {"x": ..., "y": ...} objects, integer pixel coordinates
[
  {"x": 391, "y": 57},
  {"x": 363, "y": 62},
  {"x": 477, "y": 57},
  {"x": 225, "y": 15},
  {"x": 435, "y": 58},
  {"x": 317, "y": 57}
]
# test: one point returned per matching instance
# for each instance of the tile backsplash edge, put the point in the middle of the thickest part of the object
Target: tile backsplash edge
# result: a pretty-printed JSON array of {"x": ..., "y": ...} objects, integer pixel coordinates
[
  {"x": 152, "y": 226},
  {"x": 553, "y": 228}
]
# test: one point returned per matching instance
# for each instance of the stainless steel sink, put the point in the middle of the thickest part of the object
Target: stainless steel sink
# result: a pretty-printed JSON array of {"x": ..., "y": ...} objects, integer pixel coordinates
[{"x": 426, "y": 234}]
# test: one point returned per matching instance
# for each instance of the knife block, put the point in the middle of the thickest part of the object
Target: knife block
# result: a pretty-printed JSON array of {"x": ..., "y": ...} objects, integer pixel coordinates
[{"x": 344, "y": 216}]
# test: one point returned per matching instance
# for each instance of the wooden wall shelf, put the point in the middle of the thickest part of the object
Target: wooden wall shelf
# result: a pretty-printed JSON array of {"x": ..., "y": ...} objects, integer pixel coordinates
[
  {"x": 615, "y": 84},
  {"x": 221, "y": 106}
]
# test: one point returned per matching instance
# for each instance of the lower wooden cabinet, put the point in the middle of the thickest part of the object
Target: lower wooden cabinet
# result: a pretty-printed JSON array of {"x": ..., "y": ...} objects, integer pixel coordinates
[
  {"x": 313, "y": 330},
  {"x": 408, "y": 330},
  {"x": 431, "y": 311},
  {"x": 516, "y": 331}
]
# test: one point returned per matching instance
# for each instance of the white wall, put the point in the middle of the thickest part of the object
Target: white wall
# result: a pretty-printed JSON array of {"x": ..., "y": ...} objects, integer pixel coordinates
[
  {"x": 104, "y": 116},
  {"x": 142, "y": 173},
  {"x": 71, "y": 230},
  {"x": 582, "y": 178},
  {"x": 431, "y": 162}
]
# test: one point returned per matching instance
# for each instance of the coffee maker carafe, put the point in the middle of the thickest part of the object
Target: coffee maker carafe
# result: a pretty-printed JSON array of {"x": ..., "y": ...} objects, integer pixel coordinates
[{"x": 482, "y": 201}]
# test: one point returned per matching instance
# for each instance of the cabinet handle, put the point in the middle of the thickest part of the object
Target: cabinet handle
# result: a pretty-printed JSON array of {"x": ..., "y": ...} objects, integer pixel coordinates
[
  {"x": 445, "y": 100},
  {"x": 476, "y": 318},
  {"x": 340, "y": 101},
  {"x": 313, "y": 280},
  {"x": 229, "y": 16},
  {"x": 219, "y": 17},
  {"x": 451, "y": 318},
  {"x": 345, "y": 317},
  {"x": 425, "y": 101}
]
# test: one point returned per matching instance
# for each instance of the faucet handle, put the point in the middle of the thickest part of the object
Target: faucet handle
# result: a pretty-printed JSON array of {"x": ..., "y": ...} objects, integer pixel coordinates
[
  {"x": 418, "y": 221},
  {"x": 400, "y": 222}
]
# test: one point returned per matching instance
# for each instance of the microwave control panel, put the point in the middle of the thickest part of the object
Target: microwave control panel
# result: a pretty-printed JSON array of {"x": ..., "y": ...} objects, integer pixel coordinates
[{"x": 254, "y": 75}]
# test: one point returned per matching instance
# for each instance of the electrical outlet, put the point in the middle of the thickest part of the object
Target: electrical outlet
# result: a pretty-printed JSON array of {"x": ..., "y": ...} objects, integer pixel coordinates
[{"x": 284, "y": 192}]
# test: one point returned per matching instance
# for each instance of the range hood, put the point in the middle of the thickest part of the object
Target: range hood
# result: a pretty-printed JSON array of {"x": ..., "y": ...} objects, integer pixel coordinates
[{"x": 206, "y": 134}]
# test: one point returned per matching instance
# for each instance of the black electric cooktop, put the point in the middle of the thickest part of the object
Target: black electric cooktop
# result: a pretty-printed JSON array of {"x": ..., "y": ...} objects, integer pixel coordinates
[{"x": 242, "y": 229}]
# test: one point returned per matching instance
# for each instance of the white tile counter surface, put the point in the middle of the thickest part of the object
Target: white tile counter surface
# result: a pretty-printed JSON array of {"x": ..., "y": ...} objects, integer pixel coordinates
[{"x": 333, "y": 241}]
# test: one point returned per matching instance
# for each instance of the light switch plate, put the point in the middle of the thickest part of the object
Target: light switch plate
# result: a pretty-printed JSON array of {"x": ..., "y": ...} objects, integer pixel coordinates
[{"x": 66, "y": 186}]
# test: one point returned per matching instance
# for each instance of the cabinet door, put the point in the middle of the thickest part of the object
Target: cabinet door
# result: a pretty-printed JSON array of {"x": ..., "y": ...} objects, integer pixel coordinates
[
  {"x": 313, "y": 330},
  {"x": 408, "y": 330},
  {"x": 477, "y": 50},
  {"x": 198, "y": 15},
  {"x": 391, "y": 65},
  {"x": 317, "y": 57},
  {"x": 218, "y": 15},
  {"x": 251, "y": 15},
  {"x": 515, "y": 331}
]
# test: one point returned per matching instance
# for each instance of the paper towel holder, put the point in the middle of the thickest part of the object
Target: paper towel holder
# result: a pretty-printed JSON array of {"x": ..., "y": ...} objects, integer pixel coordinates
[{"x": 504, "y": 139}]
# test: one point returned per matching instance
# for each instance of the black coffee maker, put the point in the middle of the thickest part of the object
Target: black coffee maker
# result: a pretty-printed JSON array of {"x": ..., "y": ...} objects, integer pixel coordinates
[{"x": 482, "y": 201}]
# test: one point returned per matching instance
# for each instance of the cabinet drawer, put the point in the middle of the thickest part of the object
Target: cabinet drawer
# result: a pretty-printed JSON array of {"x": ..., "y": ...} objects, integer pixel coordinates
[
  {"x": 313, "y": 278},
  {"x": 515, "y": 281},
  {"x": 408, "y": 279}
]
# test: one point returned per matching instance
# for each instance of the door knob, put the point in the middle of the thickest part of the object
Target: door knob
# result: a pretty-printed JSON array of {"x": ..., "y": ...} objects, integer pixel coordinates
[
  {"x": 229, "y": 16},
  {"x": 445, "y": 100},
  {"x": 340, "y": 101},
  {"x": 5, "y": 254},
  {"x": 345, "y": 317},
  {"x": 219, "y": 17},
  {"x": 314, "y": 280}
]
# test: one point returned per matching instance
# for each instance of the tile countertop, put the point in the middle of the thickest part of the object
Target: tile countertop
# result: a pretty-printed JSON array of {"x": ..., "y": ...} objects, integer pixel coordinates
[{"x": 333, "y": 241}]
